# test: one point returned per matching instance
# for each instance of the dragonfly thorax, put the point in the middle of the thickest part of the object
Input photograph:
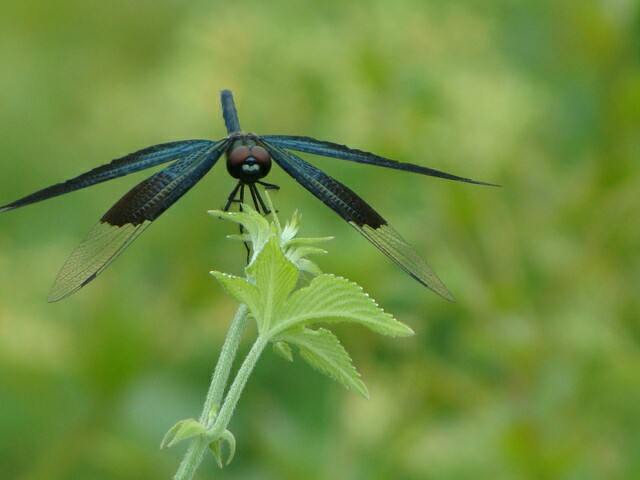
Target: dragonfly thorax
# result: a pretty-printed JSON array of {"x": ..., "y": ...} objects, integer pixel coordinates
[{"x": 247, "y": 161}]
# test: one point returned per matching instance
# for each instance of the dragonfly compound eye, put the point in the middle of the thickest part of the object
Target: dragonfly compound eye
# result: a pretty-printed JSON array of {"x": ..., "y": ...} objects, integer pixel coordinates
[
  {"x": 261, "y": 155},
  {"x": 238, "y": 156}
]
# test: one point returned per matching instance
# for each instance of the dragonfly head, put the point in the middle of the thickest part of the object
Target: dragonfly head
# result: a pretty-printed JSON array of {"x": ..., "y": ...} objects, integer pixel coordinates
[{"x": 248, "y": 163}]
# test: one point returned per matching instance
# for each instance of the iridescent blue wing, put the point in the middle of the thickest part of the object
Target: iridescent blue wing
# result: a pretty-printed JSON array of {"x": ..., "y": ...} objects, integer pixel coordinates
[
  {"x": 134, "y": 162},
  {"x": 342, "y": 152},
  {"x": 359, "y": 215},
  {"x": 130, "y": 216}
]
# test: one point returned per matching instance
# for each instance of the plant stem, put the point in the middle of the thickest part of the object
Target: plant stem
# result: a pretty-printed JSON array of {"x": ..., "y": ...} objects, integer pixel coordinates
[
  {"x": 223, "y": 367},
  {"x": 231, "y": 400},
  {"x": 196, "y": 450},
  {"x": 191, "y": 460}
]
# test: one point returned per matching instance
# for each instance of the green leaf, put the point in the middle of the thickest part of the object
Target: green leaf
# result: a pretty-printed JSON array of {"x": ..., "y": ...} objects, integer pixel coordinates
[
  {"x": 215, "y": 447},
  {"x": 254, "y": 223},
  {"x": 182, "y": 430},
  {"x": 257, "y": 231},
  {"x": 283, "y": 350},
  {"x": 240, "y": 237},
  {"x": 323, "y": 351},
  {"x": 242, "y": 290},
  {"x": 275, "y": 277},
  {"x": 294, "y": 242},
  {"x": 291, "y": 228},
  {"x": 308, "y": 266},
  {"x": 297, "y": 257},
  {"x": 297, "y": 253},
  {"x": 228, "y": 437},
  {"x": 332, "y": 299}
]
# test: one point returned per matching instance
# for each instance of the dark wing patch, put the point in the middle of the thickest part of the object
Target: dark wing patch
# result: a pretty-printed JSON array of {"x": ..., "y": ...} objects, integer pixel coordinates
[
  {"x": 360, "y": 216},
  {"x": 134, "y": 162},
  {"x": 342, "y": 152},
  {"x": 129, "y": 217}
]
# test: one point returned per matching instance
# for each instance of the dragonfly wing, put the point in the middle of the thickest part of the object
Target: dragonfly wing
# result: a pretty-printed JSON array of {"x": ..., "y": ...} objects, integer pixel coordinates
[
  {"x": 360, "y": 216},
  {"x": 134, "y": 162},
  {"x": 342, "y": 152},
  {"x": 100, "y": 247},
  {"x": 129, "y": 217}
]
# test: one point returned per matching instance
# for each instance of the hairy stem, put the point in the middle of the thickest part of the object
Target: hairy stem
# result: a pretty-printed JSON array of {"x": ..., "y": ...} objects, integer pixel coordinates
[
  {"x": 223, "y": 367},
  {"x": 196, "y": 450},
  {"x": 231, "y": 400}
]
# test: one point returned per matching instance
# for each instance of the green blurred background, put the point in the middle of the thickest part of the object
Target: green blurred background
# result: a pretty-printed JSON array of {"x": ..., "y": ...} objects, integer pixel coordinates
[{"x": 533, "y": 374}]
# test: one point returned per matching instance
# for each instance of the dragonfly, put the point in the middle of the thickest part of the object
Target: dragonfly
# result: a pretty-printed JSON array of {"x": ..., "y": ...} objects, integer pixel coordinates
[{"x": 249, "y": 158}]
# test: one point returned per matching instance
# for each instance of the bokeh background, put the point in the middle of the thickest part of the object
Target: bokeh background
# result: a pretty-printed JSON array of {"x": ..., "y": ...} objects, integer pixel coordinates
[{"x": 533, "y": 374}]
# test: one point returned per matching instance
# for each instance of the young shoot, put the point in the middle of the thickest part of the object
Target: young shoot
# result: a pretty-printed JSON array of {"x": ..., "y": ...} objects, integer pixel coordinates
[{"x": 288, "y": 313}]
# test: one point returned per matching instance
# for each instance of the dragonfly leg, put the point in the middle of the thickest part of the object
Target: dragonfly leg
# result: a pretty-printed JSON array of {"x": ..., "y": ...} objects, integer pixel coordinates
[
  {"x": 254, "y": 197},
  {"x": 237, "y": 196},
  {"x": 246, "y": 246},
  {"x": 232, "y": 196},
  {"x": 241, "y": 200},
  {"x": 255, "y": 191},
  {"x": 241, "y": 196},
  {"x": 268, "y": 186}
]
